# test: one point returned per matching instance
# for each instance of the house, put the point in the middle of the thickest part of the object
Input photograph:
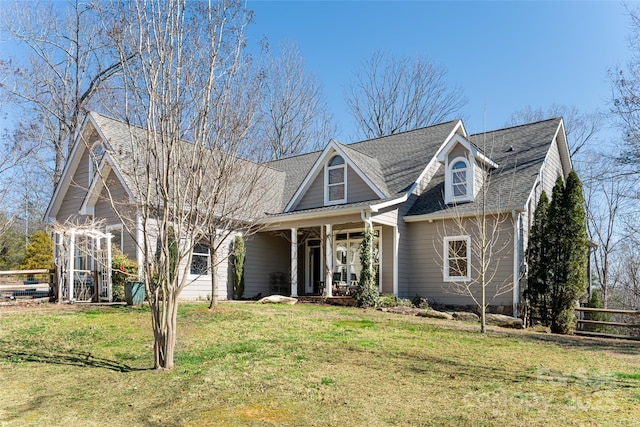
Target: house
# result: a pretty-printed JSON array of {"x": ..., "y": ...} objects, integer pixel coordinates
[{"x": 420, "y": 191}]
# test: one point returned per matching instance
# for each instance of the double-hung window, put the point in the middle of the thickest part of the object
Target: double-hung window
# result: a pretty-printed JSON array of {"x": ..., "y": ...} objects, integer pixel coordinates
[
  {"x": 335, "y": 181},
  {"x": 457, "y": 258},
  {"x": 200, "y": 260},
  {"x": 459, "y": 181}
]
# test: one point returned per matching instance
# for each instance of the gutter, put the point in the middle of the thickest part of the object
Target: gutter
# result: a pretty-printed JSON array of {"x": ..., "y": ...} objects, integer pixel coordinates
[{"x": 454, "y": 214}]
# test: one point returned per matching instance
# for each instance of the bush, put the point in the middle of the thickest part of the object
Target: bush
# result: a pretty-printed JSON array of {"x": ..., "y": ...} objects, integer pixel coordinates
[
  {"x": 123, "y": 270},
  {"x": 420, "y": 302},
  {"x": 237, "y": 259},
  {"x": 367, "y": 290}
]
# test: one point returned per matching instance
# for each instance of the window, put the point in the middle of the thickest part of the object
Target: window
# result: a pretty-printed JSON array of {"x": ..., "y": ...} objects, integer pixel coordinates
[
  {"x": 95, "y": 157},
  {"x": 457, "y": 258},
  {"x": 459, "y": 181},
  {"x": 200, "y": 260},
  {"x": 335, "y": 181},
  {"x": 347, "y": 252},
  {"x": 116, "y": 235}
]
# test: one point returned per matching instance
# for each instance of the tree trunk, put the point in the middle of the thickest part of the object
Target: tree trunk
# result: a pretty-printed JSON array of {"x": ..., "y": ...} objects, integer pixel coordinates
[
  {"x": 164, "y": 321},
  {"x": 214, "y": 282}
]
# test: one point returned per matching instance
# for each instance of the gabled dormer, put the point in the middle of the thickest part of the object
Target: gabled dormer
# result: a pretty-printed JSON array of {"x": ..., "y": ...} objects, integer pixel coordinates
[
  {"x": 464, "y": 166},
  {"x": 339, "y": 176}
]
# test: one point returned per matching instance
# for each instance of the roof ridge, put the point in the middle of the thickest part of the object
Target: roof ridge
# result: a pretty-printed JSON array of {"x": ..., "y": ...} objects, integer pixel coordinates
[
  {"x": 516, "y": 126},
  {"x": 403, "y": 132}
]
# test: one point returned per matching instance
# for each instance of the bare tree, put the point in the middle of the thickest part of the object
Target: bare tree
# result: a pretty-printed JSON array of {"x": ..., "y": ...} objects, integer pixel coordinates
[
  {"x": 189, "y": 81},
  {"x": 391, "y": 95},
  {"x": 625, "y": 284},
  {"x": 580, "y": 128},
  {"x": 489, "y": 237},
  {"x": 608, "y": 191},
  {"x": 69, "y": 61},
  {"x": 294, "y": 111},
  {"x": 16, "y": 151}
]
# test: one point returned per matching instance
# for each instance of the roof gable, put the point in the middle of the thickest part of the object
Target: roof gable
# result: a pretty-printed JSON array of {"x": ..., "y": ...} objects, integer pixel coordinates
[
  {"x": 519, "y": 151},
  {"x": 330, "y": 150},
  {"x": 89, "y": 126}
]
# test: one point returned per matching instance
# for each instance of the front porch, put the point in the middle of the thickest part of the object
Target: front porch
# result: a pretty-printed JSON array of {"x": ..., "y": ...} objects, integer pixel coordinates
[{"x": 309, "y": 260}]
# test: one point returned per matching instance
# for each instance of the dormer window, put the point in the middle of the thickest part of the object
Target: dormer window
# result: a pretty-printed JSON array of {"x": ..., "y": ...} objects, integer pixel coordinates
[
  {"x": 459, "y": 181},
  {"x": 95, "y": 157},
  {"x": 335, "y": 181}
]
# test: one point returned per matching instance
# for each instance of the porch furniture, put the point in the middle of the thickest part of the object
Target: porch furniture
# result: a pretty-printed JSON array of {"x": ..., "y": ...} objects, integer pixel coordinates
[
  {"x": 279, "y": 283},
  {"x": 339, "y": 287}
]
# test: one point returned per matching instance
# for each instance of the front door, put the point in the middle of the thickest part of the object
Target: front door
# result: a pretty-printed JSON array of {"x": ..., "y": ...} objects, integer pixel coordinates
[{"x": 313, "y": 270}]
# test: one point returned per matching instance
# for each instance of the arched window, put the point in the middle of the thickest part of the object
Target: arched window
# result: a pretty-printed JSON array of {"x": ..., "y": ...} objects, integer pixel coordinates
[
  {"x": 459, "y": 181},
  {"x": 335, "y": 180},
  {"x": 95, "y": 157}
]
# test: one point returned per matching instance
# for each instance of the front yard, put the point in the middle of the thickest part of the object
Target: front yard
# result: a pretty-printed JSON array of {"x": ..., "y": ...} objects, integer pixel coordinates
[{"x": 305, "y": 365}]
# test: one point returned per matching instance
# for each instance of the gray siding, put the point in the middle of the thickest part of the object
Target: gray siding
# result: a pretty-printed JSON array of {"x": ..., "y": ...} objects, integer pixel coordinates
[
  {"x": 357, "y": 191},
  {"x": 199, "y": 287},
  {"x": 314, "y": 197},
  {"x": 387, "y": 259},
  {"x": 104, "y": 209},
  {"x": 552, "y": 168},
  {"x": 72, "y": 200},
  {"x": 458, "y": 151},
  {"x": 425, "y": 246},
  {"x": 265, "y": 254}
]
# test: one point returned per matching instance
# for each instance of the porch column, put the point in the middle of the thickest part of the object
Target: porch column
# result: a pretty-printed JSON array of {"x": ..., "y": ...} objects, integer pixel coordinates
[
  {"x": 72, "y": 259},
  {"x": 294, "y": 262},
  {"x": 396, "y": 240},
  {"x": 328, "y": 267}
]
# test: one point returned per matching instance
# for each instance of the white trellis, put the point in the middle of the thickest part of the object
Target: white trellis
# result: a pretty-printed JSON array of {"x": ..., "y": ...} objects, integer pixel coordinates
[{"x": 83, "y": 263}]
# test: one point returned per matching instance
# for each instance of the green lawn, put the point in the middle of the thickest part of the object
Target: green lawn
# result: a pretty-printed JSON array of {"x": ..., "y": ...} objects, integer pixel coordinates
[{"x": 305, "y": 365}]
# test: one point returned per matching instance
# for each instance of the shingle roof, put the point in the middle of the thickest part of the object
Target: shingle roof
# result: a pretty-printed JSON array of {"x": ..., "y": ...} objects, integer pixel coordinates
[
  {"x": 519, "y": 152},
  {"x": 121, "y": 139},
  {"x": 393, "y": 163},
  {"x": 370, "y": 167}
]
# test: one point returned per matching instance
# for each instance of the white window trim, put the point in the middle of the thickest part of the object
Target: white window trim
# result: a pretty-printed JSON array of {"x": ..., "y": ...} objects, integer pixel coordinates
[
  {"x": 445, "y": 249},
  {"x": 448, "y": 188},
  {"x": 208, "y": 255},
  {"x": 356, "y": 230},
  {"x": 328, "y": 168},
  {"x": 117, "y": 228}
]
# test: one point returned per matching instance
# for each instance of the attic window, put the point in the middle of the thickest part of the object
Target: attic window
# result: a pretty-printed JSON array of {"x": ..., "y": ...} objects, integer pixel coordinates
[
  {"x": 459, "y": 181},
  {"x": 335, "y": 181},
  {"x": 95, "y": 157}
]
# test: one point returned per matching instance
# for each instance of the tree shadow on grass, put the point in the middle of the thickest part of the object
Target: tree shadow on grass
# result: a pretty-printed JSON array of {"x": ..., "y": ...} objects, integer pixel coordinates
[
  {"x": 13, "y": 352},
  {"x": 620, "y": 346}
]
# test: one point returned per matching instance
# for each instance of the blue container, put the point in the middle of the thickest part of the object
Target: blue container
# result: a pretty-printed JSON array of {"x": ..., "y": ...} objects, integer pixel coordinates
[{"x": 134, "y": 293}]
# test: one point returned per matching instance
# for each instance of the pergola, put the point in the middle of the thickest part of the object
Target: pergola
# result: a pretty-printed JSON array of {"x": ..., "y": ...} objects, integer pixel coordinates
[{"x": 82, "y": 256}]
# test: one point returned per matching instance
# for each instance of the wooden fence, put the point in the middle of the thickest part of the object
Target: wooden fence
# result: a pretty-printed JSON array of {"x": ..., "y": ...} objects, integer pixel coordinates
[{"x": 630, "y": 326}]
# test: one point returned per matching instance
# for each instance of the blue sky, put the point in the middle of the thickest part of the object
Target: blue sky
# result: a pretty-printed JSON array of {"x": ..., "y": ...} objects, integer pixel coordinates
[{"x": 504, "y": 55}]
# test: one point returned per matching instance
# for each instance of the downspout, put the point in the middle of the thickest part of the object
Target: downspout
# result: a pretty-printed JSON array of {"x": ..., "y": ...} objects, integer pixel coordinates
[{"x": 516, "y": 263}]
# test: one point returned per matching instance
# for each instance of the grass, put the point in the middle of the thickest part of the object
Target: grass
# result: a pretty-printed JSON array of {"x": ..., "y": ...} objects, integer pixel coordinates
[{"x": 305, "y": 365}]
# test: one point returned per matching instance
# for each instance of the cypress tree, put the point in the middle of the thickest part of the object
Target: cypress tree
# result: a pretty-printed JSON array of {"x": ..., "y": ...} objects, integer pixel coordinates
[
  {"x": 238, "y": 267},
  {"x": 538, "y": 251},
  {"x": 568, "y": 261}
]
